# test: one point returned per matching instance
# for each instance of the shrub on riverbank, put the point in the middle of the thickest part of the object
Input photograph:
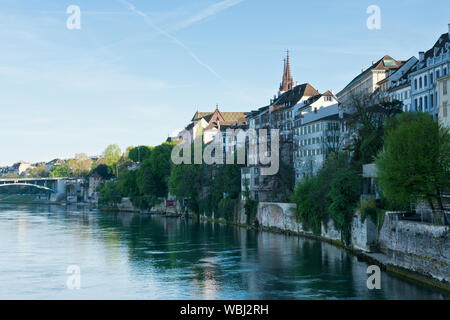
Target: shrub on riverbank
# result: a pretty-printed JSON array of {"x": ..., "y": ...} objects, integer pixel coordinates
[{"x": 333, "y": 192}]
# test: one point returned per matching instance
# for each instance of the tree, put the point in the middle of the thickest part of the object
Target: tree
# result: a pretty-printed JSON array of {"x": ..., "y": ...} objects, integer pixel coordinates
[
  {"x": 184, "y": 182},
  {"x": 140, "y": 153},
  {"x": 81, "y": 165},
  {"x": 311, "y": 194},
  {"x": 344, "y": 193},
  {"x": 109, "y": 195},
  {"x": 40, "y": 171},
  {"x": 112, "y": 156},
  {"x": 103, "y": 171},
  {"x": 368, "y": 124},
  {"x": 308, "y": 196},
  {"x": 161, "y": 165},
  {"x": 415, "y": 161},
  {"x": 60, "y": 171}
]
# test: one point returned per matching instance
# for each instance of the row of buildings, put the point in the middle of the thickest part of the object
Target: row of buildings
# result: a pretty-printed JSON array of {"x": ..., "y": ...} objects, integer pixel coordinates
[{"x": 312, "y": 124}]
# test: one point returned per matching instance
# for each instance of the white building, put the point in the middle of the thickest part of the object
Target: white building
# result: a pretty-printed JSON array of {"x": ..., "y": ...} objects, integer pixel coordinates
[
  {"x": 443, "y": 100},
  {"x": 317, "y": 133},
  {"x": 432, "y": 65},
  {"x": 399, "y": 84}
]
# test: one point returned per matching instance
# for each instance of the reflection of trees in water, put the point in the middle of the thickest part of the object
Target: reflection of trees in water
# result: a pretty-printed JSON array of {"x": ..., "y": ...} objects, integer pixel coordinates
[{"x": 212, "y": 261}]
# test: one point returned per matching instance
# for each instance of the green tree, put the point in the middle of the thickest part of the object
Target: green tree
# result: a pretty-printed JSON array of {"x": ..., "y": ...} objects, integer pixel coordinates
[
  {"x": 140, "y": 153},
  {"x": 61, "y": 171},
  {"x": 161, "y": 165},
  {"x": 344, "y": 193},
  {"x": 109, "y": 195},
  {"x": 112, "y": 157},
  {"x": 103, "y": 171},
  {"x": 184, "y": 182},
  {"x": 415, "y": 161}
]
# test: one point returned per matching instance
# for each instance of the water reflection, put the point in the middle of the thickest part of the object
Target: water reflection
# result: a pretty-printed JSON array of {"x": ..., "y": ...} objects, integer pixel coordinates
[{"x": 128, "y": 256}]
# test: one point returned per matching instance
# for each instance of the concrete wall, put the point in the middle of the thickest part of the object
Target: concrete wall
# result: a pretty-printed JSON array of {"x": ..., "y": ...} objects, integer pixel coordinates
[
  {"x": 421, "y": 247},
  {"x": 364, "y": 234},
  {"x": 126, "y": 205},
  {"x": 281, "y": 216},
  {"x": 278, "y": 215}
]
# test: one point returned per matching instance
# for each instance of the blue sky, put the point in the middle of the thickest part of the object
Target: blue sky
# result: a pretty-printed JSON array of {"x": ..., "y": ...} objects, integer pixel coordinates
[{"x": 138, "y": 70}]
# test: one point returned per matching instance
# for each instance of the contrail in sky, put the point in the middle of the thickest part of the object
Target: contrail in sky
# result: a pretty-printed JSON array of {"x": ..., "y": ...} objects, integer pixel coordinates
[
  {"x": 166, "y": 34},
  {"x": 207, "y": 12}
]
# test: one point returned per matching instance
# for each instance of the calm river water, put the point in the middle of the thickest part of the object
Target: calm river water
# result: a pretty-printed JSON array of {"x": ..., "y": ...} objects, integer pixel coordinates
[{"x": 126, "y": 256}]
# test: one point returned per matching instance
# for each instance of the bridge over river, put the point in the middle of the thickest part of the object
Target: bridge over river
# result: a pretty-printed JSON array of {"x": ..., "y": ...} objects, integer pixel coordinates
[{"x": 57, "y": 189}]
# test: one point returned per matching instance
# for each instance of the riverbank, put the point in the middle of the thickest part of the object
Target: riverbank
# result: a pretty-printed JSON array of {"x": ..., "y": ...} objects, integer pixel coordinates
[
  {"x": 400, "y": 254},
  {"x": 377, "y": 258}
]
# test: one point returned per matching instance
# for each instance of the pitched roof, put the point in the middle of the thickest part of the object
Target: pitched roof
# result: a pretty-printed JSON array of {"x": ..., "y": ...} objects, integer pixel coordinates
[
  {"x": 438, "y": 47},
  {"x": 229, "y": 117},
  {"x": 384, "y": 63},
  {"x": 200, "y": 115},
  {"x": 292, "y": 96}
]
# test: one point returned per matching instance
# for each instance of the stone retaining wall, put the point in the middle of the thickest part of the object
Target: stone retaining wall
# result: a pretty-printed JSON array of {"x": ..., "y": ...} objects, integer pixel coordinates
[{"x": 418, "y": 247}]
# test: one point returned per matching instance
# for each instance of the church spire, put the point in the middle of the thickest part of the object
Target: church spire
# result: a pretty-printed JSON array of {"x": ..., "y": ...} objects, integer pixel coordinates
[{"x": 288, "y": 81}]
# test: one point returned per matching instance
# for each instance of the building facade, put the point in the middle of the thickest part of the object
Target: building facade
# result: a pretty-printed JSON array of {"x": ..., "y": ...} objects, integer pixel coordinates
[
  {"x": 433, "y": 64},
  {"x": 363, "y": 86},
  {"x": 443, "y": 100},
  {"x": 317, "y": 133},
  {"x": 280, "y": 114},
  {"x": 208, "y": 124},
  {"x": 400, "y": 86}
]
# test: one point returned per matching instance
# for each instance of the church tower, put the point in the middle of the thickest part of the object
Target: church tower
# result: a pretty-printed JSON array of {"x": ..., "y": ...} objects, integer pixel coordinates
[{"x": 287, "y": 82}]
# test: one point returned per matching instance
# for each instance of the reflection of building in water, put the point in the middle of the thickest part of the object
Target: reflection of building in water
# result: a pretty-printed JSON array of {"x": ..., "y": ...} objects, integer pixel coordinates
[
  {"x": 22, "y": 243},
  {"x": 204, "y": 282}
]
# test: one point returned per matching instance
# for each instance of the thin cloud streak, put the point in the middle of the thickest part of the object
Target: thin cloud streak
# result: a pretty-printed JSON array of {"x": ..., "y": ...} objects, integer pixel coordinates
[
  {"x": 206, "y": 13},
  {"x": 168, "y": 35}
]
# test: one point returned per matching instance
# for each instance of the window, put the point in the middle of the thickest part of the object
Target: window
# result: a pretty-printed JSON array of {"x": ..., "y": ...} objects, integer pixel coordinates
[
  {"x": 420, "y": 83},
  {"x": 444, "y": 87},
  {"x": 431, "y": 101},
  {"x": 415, "y": 84},
  {"x": 444, "y": 109},
  {"x": 425, "y": 99},
  {"x": 431, "y": 78},
  {"x": 425, "y": 81},
  {"x": 415, "y": 104},
  {"x": 437, "y": 74}
]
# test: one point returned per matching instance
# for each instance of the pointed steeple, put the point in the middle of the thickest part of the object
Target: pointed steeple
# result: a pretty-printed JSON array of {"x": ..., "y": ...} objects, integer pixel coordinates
[{"x": 287, "y": 82}]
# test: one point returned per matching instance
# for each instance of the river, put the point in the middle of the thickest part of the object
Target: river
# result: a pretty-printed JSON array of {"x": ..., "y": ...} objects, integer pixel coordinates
[{"x": 127, "y": 256}]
